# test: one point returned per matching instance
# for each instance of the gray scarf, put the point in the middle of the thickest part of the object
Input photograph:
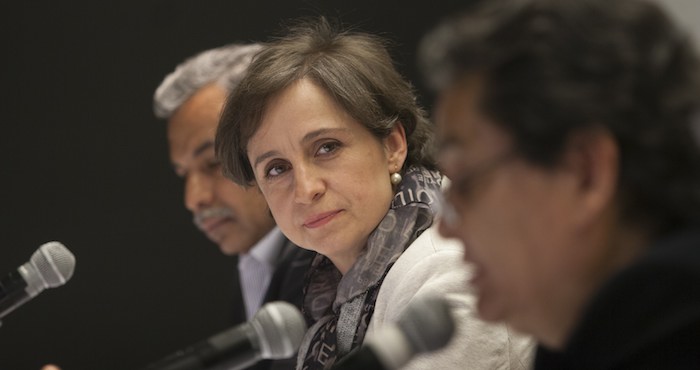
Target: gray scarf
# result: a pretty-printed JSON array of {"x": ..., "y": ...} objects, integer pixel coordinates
[{"x": 339, "y": 307}]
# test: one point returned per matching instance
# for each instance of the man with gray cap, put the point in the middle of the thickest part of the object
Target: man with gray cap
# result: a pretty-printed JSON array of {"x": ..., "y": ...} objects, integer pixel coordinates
[{"x": 237, "y": 219}]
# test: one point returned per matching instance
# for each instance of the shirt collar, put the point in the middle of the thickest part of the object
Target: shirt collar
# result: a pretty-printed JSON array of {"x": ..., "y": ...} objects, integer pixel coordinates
[{"x": 267, "y": 250}]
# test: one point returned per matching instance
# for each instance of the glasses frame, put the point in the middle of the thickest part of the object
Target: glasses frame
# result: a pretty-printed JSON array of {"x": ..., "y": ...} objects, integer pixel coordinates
[{"x": 462, "y": 187}]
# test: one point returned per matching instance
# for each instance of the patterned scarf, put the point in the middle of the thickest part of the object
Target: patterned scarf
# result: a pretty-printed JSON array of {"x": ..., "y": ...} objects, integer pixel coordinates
[{"x": 339, "y": 307}]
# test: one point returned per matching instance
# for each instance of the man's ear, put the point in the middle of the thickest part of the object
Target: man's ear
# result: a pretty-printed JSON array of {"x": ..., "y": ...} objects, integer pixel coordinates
[
  {"x": 594, "y": 159},
  {"x": 396, "y": 147}
]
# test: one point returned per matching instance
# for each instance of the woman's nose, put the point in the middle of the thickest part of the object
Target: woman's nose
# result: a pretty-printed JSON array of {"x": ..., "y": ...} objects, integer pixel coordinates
[{"x": 309, "y": 185}]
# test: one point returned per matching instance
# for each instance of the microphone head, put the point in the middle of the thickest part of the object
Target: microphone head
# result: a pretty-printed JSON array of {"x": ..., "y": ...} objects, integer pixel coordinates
[
  {"x": 50, "y": 266},
  {"x": 280, "y": 327},
  {"x": 427, "y": 324}
]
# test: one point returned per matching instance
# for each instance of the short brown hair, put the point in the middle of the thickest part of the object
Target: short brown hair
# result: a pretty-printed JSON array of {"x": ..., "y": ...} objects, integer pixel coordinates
[{"x": 354, "y": 68}]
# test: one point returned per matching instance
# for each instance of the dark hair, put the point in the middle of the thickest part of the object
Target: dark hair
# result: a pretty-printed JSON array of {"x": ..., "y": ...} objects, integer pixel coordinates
[
  {"x": 555, "y": 67},
  {"x": 352, "y": 67}
]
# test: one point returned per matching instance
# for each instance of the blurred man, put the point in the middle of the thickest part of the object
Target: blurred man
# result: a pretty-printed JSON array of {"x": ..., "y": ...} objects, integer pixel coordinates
[
  {"x": 567, "y": 129},
  {"x": 237, "y": 219}
]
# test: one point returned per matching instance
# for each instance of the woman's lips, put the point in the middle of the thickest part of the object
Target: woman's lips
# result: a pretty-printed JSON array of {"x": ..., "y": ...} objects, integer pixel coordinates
[{"x": 320, "y": 219}]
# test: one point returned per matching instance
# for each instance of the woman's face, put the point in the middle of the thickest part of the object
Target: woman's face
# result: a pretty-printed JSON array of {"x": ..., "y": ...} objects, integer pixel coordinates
[{"x": 324, "y": 175}]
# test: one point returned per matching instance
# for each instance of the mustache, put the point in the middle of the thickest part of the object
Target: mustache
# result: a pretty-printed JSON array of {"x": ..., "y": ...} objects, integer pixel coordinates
[{"x": 202, "y": 215}]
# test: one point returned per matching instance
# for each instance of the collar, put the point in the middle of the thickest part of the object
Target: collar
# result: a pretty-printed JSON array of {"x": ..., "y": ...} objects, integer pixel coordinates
[{"x": 266, "y": 250}]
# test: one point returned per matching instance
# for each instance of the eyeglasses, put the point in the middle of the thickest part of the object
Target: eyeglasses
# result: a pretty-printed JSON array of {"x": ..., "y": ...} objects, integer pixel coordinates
[{"x": 464, "y": 183}]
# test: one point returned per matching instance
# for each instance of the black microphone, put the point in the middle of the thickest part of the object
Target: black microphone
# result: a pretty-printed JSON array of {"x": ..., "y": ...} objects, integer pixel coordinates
[
  {"x": 275, "y": 332},
  {"x": 426, "y": 325},
  {"x": 51, "y": 265}
]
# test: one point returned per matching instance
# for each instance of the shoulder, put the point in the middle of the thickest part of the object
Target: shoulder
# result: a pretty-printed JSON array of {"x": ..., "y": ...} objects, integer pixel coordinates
[
  {"x": 645, "y": 310},
  {"x": 294, "y": 256},
  {"x": 430, "y": 242},
  {"x": 430, "y": 259},
  {"x": 433, "y": 265},
  {"x": 287, "y": 282}
]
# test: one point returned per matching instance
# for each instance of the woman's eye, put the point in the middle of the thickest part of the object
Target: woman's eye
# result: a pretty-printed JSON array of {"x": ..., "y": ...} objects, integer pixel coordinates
[
  {"x": 213, "y": 165},
  {"x": 275, "y": 170},
  {"x": 328, "y": 147}
]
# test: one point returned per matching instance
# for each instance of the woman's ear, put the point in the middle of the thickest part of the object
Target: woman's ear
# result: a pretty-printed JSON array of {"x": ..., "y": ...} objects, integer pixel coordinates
[{"x": 396, "y": 147}]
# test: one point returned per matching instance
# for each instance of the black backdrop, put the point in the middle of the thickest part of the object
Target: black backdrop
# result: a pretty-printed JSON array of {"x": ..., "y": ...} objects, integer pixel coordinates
[{"x": 85, "y": 162}]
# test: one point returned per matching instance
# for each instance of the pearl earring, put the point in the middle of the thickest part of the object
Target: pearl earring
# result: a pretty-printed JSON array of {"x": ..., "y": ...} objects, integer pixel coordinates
[{"x": 395, "y": 178}]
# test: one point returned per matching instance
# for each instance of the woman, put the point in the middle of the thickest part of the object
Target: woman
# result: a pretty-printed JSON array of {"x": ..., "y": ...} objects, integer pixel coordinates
[{"x": 332, "y": 135}]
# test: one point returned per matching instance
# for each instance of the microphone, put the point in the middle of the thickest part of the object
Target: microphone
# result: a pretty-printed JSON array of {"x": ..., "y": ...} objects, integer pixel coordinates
[
  {"x": 51, "y": 265},
  {"x": 426, "y": 325},
  {"x": 274, "y": 332}
]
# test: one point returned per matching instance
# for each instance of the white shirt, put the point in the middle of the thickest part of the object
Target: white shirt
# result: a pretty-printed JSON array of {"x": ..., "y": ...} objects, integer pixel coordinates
[{"x": 256, "y": 269}]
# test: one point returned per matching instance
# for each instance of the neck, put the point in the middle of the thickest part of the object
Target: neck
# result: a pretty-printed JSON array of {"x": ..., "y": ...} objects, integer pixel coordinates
[
  {"x": 344, "y": 262},
  {"x": 611, "y": 249}
]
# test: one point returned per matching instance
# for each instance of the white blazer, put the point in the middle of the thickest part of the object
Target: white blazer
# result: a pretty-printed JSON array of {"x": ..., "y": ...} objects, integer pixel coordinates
[{"x": 433, "y": 265}]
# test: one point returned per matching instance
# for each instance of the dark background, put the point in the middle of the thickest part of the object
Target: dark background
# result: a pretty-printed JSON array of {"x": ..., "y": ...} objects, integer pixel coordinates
[{"x": 84, "y": 162}]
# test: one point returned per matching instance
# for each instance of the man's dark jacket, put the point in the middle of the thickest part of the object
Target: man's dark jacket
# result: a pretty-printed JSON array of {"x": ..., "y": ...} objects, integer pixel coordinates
[
  {"x": 286, "y": 285},
  {"x": 645, "y": 317}
]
